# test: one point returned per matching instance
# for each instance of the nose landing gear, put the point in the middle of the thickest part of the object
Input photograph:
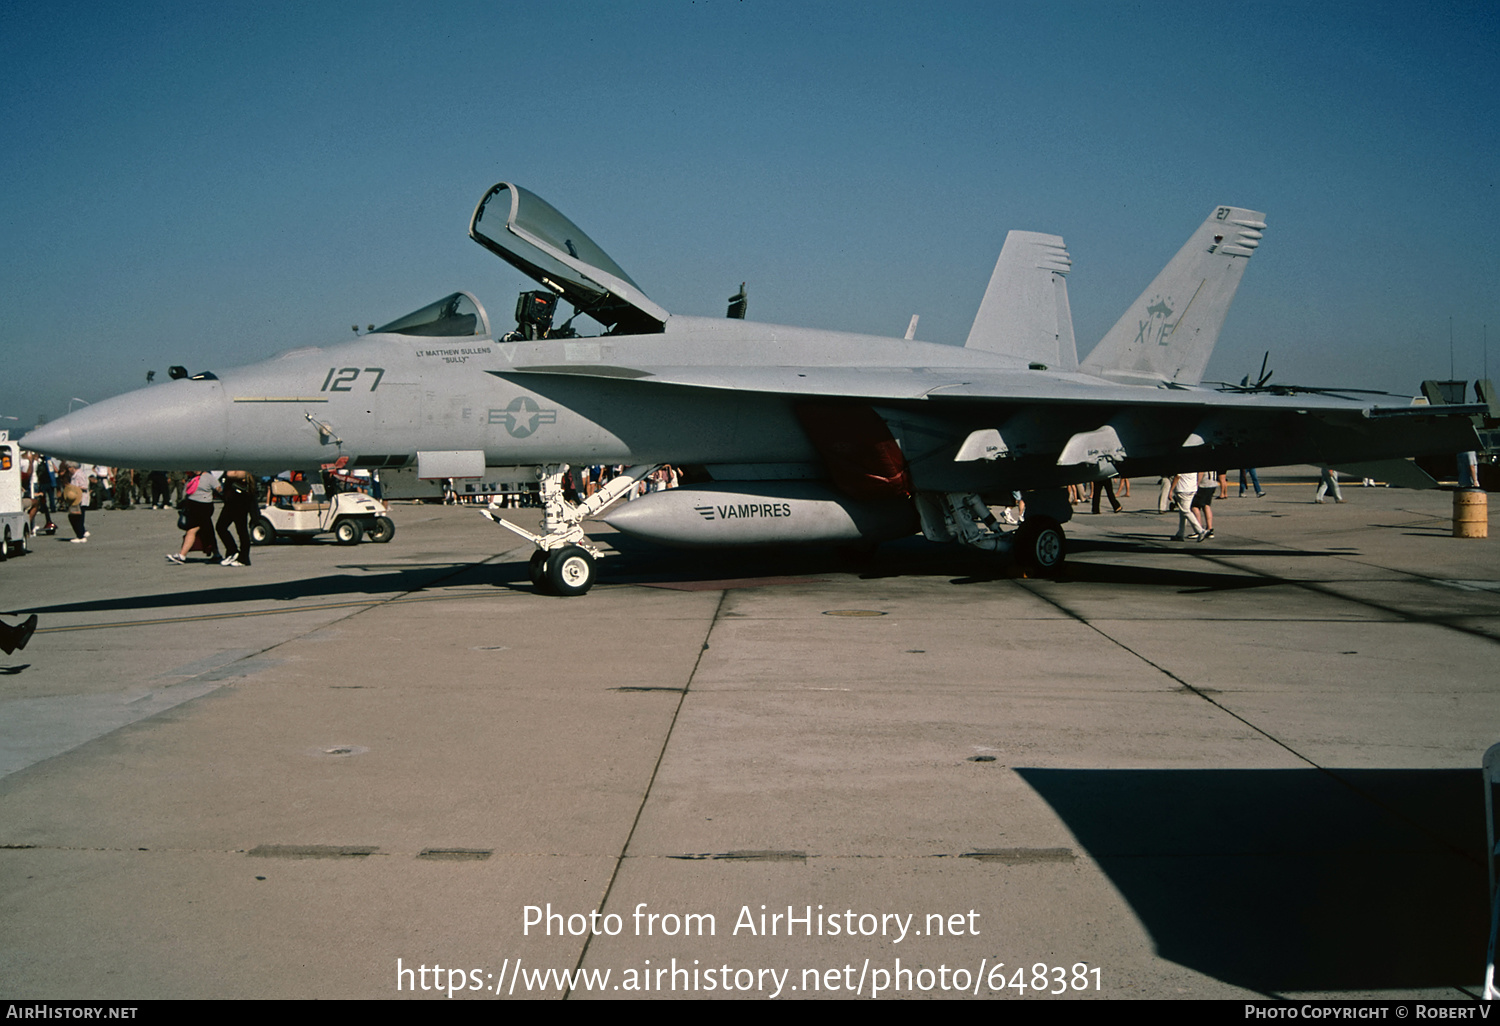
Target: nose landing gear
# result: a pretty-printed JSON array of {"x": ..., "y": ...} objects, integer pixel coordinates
[
  {"x": 566, "y": 571},
  {"x": 564, "y": 561}
]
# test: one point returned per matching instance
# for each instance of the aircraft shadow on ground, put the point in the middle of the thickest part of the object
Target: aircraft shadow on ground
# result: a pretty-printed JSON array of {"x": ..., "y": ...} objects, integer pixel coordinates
[
  {"x": 1151, "y": 544},
  {"x": 393, "y": 581},
  {"x": 640, "y": 562},
  {"x": 636, "y": 562},
  {"x": 1291, "y": 880}
]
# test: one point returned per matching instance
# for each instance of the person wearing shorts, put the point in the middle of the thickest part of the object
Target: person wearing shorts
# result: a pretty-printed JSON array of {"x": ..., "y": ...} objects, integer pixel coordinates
[{"x": 1208, "y": 484}]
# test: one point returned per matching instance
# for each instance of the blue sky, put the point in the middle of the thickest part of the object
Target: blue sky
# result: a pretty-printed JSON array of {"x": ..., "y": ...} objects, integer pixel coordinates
[{"x": 207, "y": 185}]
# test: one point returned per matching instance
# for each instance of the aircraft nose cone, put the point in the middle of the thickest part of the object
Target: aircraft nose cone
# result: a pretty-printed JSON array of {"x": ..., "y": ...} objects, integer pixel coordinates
[
  {"x": 55, "y": 437},
  {"x": 176, "y": 425}
]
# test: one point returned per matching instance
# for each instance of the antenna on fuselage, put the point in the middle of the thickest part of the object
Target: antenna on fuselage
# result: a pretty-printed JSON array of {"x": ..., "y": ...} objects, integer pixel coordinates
[{"x": 738, "y": 304}]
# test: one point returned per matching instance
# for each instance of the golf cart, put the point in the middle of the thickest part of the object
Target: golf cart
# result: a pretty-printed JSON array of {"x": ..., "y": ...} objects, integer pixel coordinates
[{"x": 302, "y": 509}]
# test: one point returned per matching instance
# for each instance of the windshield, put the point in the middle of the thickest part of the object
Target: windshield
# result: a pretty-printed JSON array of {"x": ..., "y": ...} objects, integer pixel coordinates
[{"x": 452, "y": 316}]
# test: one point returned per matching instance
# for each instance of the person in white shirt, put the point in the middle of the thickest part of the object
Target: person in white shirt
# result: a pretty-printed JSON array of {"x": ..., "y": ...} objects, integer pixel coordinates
[{"x": 1184, "y": 489}]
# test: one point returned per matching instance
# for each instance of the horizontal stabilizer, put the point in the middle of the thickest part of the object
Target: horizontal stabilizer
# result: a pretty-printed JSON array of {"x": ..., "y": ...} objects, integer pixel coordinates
[
  {"x": 1168, "y": 334},
  {"x": 1025, "y": 310}
]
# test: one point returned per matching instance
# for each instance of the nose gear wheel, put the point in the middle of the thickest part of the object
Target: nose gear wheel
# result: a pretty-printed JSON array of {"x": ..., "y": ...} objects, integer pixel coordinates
[{"x": 563, "y": 563}]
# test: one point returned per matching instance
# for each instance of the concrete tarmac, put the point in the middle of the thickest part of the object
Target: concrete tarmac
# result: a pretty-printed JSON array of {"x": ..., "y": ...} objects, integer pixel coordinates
[{"x": 1240, "y": 768}]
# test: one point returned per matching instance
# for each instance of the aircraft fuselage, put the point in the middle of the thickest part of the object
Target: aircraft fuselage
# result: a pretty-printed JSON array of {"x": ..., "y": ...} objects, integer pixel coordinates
[
  {"x": 815, "y": 435},
  {"x": 380, "y": 399}
]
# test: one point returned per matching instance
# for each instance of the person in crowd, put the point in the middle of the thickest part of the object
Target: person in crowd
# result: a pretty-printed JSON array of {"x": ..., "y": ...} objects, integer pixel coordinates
[
  {"x": 1203, "y": 501},
  {"x": 39, "y": 483},
  {"x": 241, "y": 502},
  {"x": 75, "y": 495},
  {"x": 50, "y": 480},
  {"x": 198, "y": 513},
  {"x": 1184, "y": 489},
  {"x": 1015, "y": 509},
  {"x": 1468, "y": 469},
  {"x": 124, "y": 487},
  {"x": 1328, "y": 481},
  {"x": 1102, "y": 488},
  {"x": 160, "y": 489},
  {"x": 94, "y": 494}
]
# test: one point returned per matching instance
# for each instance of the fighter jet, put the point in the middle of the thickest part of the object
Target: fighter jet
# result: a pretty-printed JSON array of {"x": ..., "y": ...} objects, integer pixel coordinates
[{"x": 785, "y": 434}]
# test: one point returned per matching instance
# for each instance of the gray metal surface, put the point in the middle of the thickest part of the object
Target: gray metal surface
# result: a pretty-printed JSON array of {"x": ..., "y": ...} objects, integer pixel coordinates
[{"x": 661, "y": 388}]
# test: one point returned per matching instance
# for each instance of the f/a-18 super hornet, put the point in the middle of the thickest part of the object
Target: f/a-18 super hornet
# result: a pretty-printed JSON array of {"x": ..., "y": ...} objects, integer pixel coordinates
[{"x": 790, "y": 434}]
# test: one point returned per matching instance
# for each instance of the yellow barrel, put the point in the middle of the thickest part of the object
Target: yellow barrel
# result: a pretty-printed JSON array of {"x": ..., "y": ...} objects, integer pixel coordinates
[{"x": 1470, "y": 513}]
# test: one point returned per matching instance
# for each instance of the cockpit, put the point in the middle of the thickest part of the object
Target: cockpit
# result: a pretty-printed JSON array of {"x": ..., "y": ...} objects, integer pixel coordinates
[
  {"x": 457, "y": 316},
  {"x": 530, "y": 234}
]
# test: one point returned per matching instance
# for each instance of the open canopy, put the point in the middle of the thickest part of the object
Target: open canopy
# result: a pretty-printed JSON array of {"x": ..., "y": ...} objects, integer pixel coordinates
[{"x": 548, "y": 248}]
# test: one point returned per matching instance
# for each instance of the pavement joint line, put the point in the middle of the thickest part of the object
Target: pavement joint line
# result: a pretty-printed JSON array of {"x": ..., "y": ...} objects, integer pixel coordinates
[
  {"x": 1327, "y": 590},
  {"x": 1203, "y": 694},
  {"x": 377, "y": 853},
  {"x": 1080, "y": 618},
  {"x": 355, "y": 609},
  {"x": 651, "y": 782},
  {"x": 1396, "y": 814},
  {"x": 415, "y": 853},
  {"x": 1330, "y": 592},
  {"x": 360, "y": 607}
]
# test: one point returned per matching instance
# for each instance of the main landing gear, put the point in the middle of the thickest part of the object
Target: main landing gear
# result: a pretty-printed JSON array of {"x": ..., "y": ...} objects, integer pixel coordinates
[
  {"x": 1038, "y": 545},
  {"x": 564, "y": 561}
]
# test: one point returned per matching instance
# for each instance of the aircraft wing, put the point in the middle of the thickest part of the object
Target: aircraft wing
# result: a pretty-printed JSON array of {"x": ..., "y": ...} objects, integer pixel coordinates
[
  {"x": 985, "y": 429},
  {"x": 937, "y": 384}
]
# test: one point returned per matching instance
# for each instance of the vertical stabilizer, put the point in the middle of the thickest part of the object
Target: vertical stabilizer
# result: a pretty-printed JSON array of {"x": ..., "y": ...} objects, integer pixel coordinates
[
  {"x": 1169, "y": 332},
  {"x": 1025, "y": 310}
]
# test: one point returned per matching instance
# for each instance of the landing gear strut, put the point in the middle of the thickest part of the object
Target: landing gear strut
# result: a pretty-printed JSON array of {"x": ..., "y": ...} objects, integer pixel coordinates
[
  {"x": 563, "y": 563},
  {"x": 1038, "y": 545}
]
